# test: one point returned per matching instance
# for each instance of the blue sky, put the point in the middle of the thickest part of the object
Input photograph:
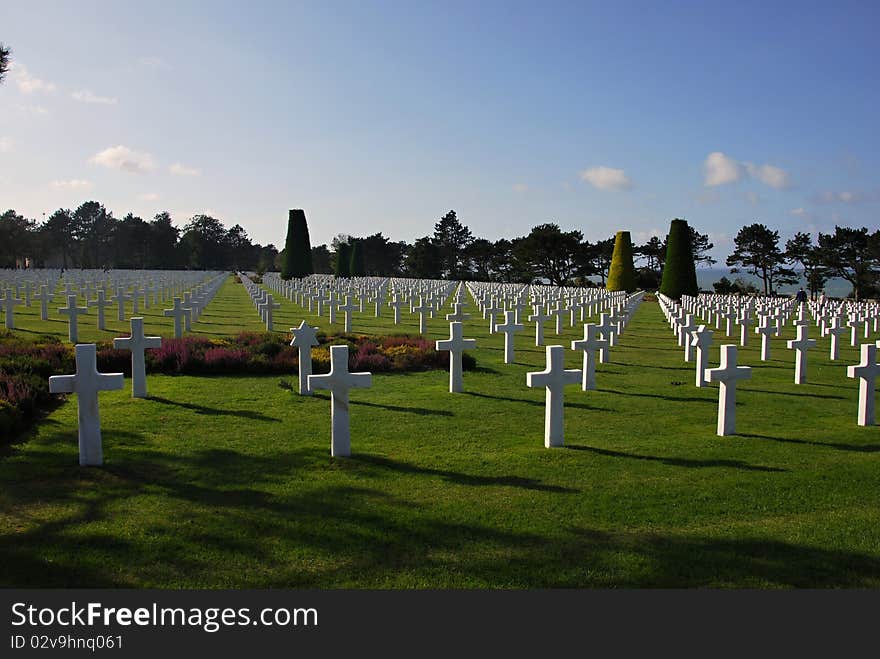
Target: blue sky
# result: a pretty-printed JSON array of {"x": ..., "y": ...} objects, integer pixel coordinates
[{"x": 383, "y": 116}]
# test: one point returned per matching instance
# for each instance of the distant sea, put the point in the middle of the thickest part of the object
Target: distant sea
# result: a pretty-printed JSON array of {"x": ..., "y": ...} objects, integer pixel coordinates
[{"x": 835, "y": 287}]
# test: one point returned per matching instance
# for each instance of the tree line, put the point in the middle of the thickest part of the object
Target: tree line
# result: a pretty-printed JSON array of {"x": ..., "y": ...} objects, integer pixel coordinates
[{"x": 91, "y": 237}]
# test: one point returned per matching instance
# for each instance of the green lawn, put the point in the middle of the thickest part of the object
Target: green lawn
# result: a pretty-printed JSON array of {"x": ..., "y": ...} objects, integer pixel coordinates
[{"x": 228, "y": 482}]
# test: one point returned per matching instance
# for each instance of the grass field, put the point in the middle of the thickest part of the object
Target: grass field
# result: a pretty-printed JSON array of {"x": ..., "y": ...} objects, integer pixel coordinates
[{"x": 228, "y": 482}]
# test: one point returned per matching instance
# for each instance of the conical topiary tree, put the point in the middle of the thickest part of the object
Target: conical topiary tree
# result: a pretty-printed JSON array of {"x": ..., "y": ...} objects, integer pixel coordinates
[
  {"x": 357, "y": 260},
  {"x": 622, "y": 272},
  {"x": 297, "y": 261},
  {"x": 679, "y": 269},
  {"x": 343, "y": 260}
]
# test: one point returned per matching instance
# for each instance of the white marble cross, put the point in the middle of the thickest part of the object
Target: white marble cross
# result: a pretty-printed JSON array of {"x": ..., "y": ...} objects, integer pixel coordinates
[
  {"x": 835, "y": 331},
  {"x": 606, "y": 330},
  {"x": 745, "y": 321},
  {"x": 9, "y": 303},
  {"x": 458, "y": 315},
  {"x": 867, "y": 372},
  {"x": 86, "y": 384},
  {"x": 684, "y": 337},
  {"x": 490, "y": 312},
  {"x": 72, "y": 312},
  {"x": 727, "y": 374},
  {"x": 304, "y": 338},
  {"x": 456, "y": 345},
  {"x": 554, "y": 378},
  {"x": 120, "y": 299},
  {"x": 137, "y": 343},
  {"x": 267, "y": 308},
  {"x": 45, "y": 297},
  {"x": 423, "y": 310},
  {"x": 339, "y": 381},
  {"x": 538, "y": 318},
  {"x": 701, "y": 339},
  {"x": 178, "y": 313},
  {"x": 509, "y": 328},
  {"x": 100, "y": 302},
  {"x": 800, "y": 345},
  {"x": 397, "y": 304},
  {"x": 590, "y": 344},
  {"x": 766, "y": 330},
  {"x": 348, "y": 309}
]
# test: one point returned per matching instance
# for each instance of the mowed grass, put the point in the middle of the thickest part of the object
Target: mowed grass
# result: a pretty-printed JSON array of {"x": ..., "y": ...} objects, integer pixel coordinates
[{"x": 228, "y": 482}]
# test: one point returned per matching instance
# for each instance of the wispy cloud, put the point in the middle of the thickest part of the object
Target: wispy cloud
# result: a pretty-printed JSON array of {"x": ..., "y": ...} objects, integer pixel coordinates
[
  {"x": 847, "y": 197},
  {"x": 606, "y": 178},
  {"x": 123, "y": 158},
  {"x": 753, "y": 198},
  {"x": 801, "y": 212},
  {"x": 152, "y": 62},
  {"x": 179, "y": 169},
  {"x": 520, "y": 187},
  {"x": 148, "y": 196},
  {"x": 72, "y": 184},
  {"x": 5, "y": 145},
  {"x": 29, "y": 84},
  {"x": 85, "y": 96},
  {"x": 721, "y": 169},
  {"x": 37, "y": 110}
]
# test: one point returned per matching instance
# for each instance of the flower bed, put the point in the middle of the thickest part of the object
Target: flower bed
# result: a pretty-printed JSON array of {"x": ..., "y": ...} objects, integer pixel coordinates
[{"x": 26, "y": 364}]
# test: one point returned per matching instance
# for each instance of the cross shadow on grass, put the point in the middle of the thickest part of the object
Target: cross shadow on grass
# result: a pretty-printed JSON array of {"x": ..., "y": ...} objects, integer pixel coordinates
[
  {"x": 213, "y": 411},
  {"x": 421, "y": 411},
  {"x": 538, "y": 403},
  {"x": 676, "y": 462},
  {"x": 857, "y": 448},
  {"x": 805, "y": 394},
  {"x": 460, "y": 478},
  {"x": 676, "y": 399}
]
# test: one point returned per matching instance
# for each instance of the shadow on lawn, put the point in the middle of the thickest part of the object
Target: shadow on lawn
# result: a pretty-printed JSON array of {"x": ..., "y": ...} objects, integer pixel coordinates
[
  {"x": 213, "y": 411},
  {"x": 857, "y": 448},
  {"x": 677, "y": 462},
  {"x": 462, "y": 479},
  {"x": 219, "y": 518},
  {"x": 676, "y": 399},
  {"x": 538, "y": 403}
]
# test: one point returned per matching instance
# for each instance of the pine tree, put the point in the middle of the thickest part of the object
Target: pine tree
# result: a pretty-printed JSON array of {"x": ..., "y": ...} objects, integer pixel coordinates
[
  {"x": 297, "y": 260},
  {"x": 679, "y": 269},
  {"x": 357, "y": 259},
  {"x": 622, "y": 273},
  {"x": 343, "y": 260}
]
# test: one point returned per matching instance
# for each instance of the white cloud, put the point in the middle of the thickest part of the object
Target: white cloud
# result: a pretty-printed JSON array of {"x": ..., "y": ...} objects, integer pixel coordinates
[
  {"x": 847, "y": 197},
  {"x": 708, "y": 197},
  {"x": 182, "y": 170},
  {"x": 85, "y": 96},
  {"x": 721, "y": 169},
  {"x": 27, "y": 83},
  {"x": 802, "y": 213},
  {"x": 148, "y": 196},
  {"x": 152, "y": 62},
  {"x": 520, "y": 187},
  {"x": 72, "y": 184},
  {"x": 121, "y": 157},
  {"x": 606, "y": 178},
  {"x": 38, "y": 110},
  {"x": 775, "y": 177},
  {"x": 5, "y": 145},
  {"x": 753, "y": 198}
]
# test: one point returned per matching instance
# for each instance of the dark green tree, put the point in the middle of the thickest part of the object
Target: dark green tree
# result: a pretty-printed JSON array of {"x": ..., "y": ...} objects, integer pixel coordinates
[
  {"x": 801, "y": 249},
  {"x": 622, "y": 272},
  {"x": 550, "y": 252},
  {"x": 343, "y": 260},
  {"x": 356, "y": 267},
  {"x": 757, "y": 251},
  {"x": 17, "y": 239},
  {"x": 321, "y": 259},
  {"x": 58, "y": 232},
  {"x": 163, "y": 238},
  {"x": 204, "y": 243},
  {"x": 452, "y": 238},
  {"x": 297, "y": 260},
  {"x": 94, "y": 227},
  {"x": 479, "y": 258},
  {"x": 5, "y": 52},
  {"x": 853, "y": 255},
  {"x": 424, "y": 260},
  {"x": 679, "y": 268}
]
